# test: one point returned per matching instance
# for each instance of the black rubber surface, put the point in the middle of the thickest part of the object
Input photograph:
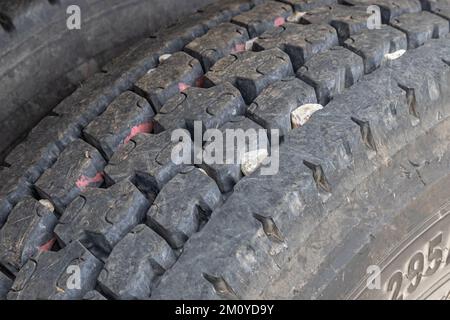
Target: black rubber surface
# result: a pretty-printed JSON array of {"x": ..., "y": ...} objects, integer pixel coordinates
[{"x": 140, "y": 226}]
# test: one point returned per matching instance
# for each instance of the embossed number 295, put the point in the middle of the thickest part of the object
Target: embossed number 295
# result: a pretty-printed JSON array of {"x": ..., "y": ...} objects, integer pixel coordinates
[{"x": 416, "y": 268}]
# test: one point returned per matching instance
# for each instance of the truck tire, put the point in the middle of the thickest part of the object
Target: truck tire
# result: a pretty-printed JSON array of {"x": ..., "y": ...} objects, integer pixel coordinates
[
  {"x": 358, "y": 207},
  {"x": 43, "y": 61}
]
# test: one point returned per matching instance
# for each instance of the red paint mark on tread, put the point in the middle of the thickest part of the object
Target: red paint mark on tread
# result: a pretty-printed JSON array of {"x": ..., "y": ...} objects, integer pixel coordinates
[
  {"x": 140, "y": 128},
  {"x": 47, "y": 246},
  {"x": 183, "y": 86},
  {"x": 240, "y": 47},
  {"x": 85, "y": 182},
  {"x": 279, "y": 21}
]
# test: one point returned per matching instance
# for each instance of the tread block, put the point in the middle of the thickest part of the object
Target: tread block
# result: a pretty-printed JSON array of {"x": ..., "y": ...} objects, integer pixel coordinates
[
  {"x": 177, "y": 215},
  {"x": 127, "y": 116},
  {"x": 217, "y": 43},
  {"x": 47, "y": 275},
  {"x": 346, "y": 20},
  {"x": 273, "y": 107},
  {"x": 424, "y": 76},
  {"x": 374, "y": 44},
  {"x": 420, "y": 27},
  {"x": 383, "y": 107},
  {"x": 251, "y": 72},
  {"x": 263, "y": 17},
  {"x": 172, "y": 76},
  {"x": 94, "y": 296},
  {"x": 213, "y": 106},
  {"x": 174, "y": 38},
  {"x": 307, "y": 5},
  {"x": 134, "y": 62},
  {"x": 300, "y": 42},
  {"x": 331, "y": 72},
  {"x": 5, "y": 285},
  {"x": 43, "y": 145},
  {"x": 79, "y": 166},
  {"x": 390, "y": 9},
  {"x": 217, "y": 13},
  {"x": 99, "y": 218},
  {"x": 29, "y": 227},
  {"x": 146, "y": 160},
  {"x": 438, "y": 7},
  {"x": 92, "y": 98},
  {"x": 227, "y": 175},
  {"x": 135, "y": 263}
]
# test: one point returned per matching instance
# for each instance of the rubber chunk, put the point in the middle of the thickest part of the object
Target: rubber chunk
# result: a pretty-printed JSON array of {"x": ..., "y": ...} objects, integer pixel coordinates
[
  {"x": 300, "y": 42},
  {"x": 29, "y": 226},
  {"x": 424, "y": 76},
  {"x": 43, "y": 145},
  {"x": 273, "y": 107},
  {"x": 438, "y": 7},
  {"x": 420, "y": 27},
  {"x": 263, "y": 17},
  {"x": 390, "y": 9},
  {"x": 217, "y": 43},
  {"x": 93, "y": 296},
  {"x": 374, "y": 44},
  {"x": 177, "y": 215},
  {"x": 92, "y": 98},
  {"x": 13, "y": 188},
  {"x": 174, "y": 38},
  {"x": 146, "y": 160},
  {"x": 345, "y": 19},
  {"x": 331, "y": 72},
  {"x": 213, "y": 107},
  {"x": 135, "y": 264},
  {"x": 79, "y": 166},
  {"x": 251, "y": 72},
  {"x": 50, "y": 275},
  {"x": 217, "y": 13},
  {"x": 127, "y": 116},
  {"x": 5, "y": 285},
  {"x": 227, "y": 175},
  {"x": 172, "y": 76},
  {"x": 307, "y": 5},
  {"x": 99, "y": 218}
]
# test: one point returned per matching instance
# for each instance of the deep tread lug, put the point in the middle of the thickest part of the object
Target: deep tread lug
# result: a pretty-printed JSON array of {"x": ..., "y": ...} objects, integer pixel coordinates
[
  {"x": 300, "y": 42},
  {"x": 263, "y": 17},
  {"x": 373, "y": 45},
  {"x": 172, "y": 76},
  {"x": 251, "y": 72},
  {"x": 146, "y": 160},
  {"x": 227, "y": 175},
  {"x": 135, "y": 264},
  {"x": 177, "y": 215},
  {"x": 273, "y": 107},
  {"x": 331, "y": 72},
  {"x": 345, "y": 19},
  {"x": 79, "y": 166},
  {"x": 213, "y": 107},
  {"x": 46, "y": 276},
  {"x": 217, "y": 43},
  {"x": 421, "y": 27},
  {"x": 100, "y": 218},
  {"x": 390, "y": 9},
  {"x": 29, "y": 226},
  {"x": 127, "y": 116}
]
